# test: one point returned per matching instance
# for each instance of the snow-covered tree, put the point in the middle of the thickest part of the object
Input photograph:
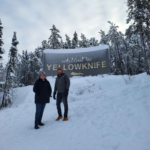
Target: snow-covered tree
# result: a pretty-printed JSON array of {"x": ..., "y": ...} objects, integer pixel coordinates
[
  {"x": 1, "y": 52},
  {"x": 104, "y": 38},
  {"x": 115, "y": 43},
  {"x": 29, "y": 67},
  {"x": 93, "y": 42},
  {"x": 2, "y": 71},
  {"x": 35, "y": 65},
  {"x": 1, "y": 41},
  {"x": 139, "y": 18},
  {"x": 126, "y": 56},
  {"x": 75, "y": 40},
  {"x": 10, "y": 73},
  {"x": 45, "y": 45},
  {"x": 23, "y": 69},
  {"x": 62, "y": 44},
  {"x": 74, "y": 44},
  {"x": 83, "y": 42},
  {"x": 13, "y": 51},
  {"x": 68, "y": 42},
  {"x": 65, "y": 45},
  {"x": 54, "y": 38}
]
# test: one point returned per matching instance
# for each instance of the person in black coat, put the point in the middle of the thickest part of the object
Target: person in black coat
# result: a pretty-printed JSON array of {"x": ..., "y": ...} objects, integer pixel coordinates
[{"x": 42, "y": 90}]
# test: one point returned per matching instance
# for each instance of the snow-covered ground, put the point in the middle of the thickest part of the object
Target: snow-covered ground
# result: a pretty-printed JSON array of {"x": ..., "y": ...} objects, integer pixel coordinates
[{"x": 105, "y": 113}]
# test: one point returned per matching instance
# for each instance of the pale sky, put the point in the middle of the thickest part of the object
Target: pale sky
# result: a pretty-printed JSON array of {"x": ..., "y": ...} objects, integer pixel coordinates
[{"x": 32, "y": 19}]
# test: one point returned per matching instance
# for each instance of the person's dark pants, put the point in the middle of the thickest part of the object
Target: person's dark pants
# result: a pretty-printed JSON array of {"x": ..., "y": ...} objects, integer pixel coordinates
[
  {"x": 39, "y": 112},
  {"x": 62, "y": 98}
]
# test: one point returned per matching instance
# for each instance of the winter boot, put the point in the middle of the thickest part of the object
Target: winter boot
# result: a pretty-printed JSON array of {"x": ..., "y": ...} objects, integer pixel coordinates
[
  {"x": 36, "y": 127},
  {"x": 59, "y": 118},
  {"x": 41, "y": 124},
  {"x": 65, "y": 119}
]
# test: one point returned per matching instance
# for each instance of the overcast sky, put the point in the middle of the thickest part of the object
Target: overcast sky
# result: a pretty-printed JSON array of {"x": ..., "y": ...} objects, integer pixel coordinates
[{"x": 32, "y": 19}]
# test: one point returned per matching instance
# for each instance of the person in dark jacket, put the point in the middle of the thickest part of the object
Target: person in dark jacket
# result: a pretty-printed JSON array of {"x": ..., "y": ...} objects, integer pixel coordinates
[
  {"x": 62, "y": 85},
  {"x": 42, "y": 90}
]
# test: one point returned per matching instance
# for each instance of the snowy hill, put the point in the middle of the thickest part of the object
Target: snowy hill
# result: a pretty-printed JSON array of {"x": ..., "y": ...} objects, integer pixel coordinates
[{"x": 105, "y": 113}]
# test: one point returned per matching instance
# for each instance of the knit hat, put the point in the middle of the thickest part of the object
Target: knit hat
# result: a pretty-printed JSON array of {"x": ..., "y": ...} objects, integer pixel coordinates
[
  {"x": 42, "y": 72},
  {"x": 59, "y": 69}
]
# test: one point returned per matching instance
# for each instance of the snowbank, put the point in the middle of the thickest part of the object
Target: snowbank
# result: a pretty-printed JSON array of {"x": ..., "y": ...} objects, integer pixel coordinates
[
  {"x": 77, "y": 50},
  {"x": 105, "y": 113}
]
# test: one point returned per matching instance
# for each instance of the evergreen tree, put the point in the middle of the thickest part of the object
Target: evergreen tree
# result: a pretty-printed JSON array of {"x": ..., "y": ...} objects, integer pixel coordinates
[
  {"x": 65, "y": 45},
  {"x": 1, "y": 71},
  {"x": 75, "y": 41},
  {"x": 74, "y": 44},
  {"x": 1, "y": 52},
  {"x": 54, "y": 38},
  {"x": 133, "y": 57},
  {"x": 139, "y": 17},
  {"x": 93, "y": 42},
  {"x": 68, "y": 41},
  {"x": 10, "y": 73},
  {"x": 84, "y": 42},
  {"x": 35, "y": 65},
  {"x": 45, "y": 45},
  {"x": 126, "y": 57},
  {"x": 115, "y": 44},
  {"x": 23, "y": 69},
  {"x": 1, "y": 41},
  {"x": 62, "y": 44},
  {"x": 13, "y": 51},
  {"x": 104, "y": 38},
  {"x": 117, "y": 47}
]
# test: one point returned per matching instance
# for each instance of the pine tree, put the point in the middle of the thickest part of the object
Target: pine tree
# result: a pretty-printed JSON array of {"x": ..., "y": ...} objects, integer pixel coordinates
[
  {"x": 62, "y": 44},
  {"x": 54, "y": 38},
  {"x": 118, "y": 48},
  {"x": 74, "y": 44},
  {"x": 10, "y": 73},
  {"x": 23, "y": 69},
  {"x": 115, "y": 44},
  {"x": 139, "y": 17},
  {"x": 1, "y": 52},
  {"x": 75, "y": 41},
  {"x": 35, "y": 65},
  {"x": 68, "y": 41},
  {"x": 65, "y": 45},
  {"x": 13, "y": 51},
  {"x": 45, "y": 45},
  {"x": 1, "y": 41},
  {"x": 1, "y": 71},
  {"x": 93, "y": 42},
  {"x": 29, "y": 67},
  {"x": 104, "y": 38},
  {"x": 84, "y": 42}
]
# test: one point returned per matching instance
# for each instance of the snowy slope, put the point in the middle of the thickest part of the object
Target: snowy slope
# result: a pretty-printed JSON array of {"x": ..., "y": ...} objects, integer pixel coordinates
[{"x": 105, "y": 113}]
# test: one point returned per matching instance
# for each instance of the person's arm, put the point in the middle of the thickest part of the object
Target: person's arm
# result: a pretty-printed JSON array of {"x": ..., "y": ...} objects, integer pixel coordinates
[
  {"x": 50, "y": 88},
  {"x": 35, "y": 88},
  {"x": 67, "y": 80},
  {"x": 55, "y": 88}
]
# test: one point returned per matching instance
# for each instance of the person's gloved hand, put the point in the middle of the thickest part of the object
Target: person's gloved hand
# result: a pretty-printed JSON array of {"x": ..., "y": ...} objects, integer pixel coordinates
[
  {"x": 54, "y": 95},
  {"x": 66, "y": 92}
]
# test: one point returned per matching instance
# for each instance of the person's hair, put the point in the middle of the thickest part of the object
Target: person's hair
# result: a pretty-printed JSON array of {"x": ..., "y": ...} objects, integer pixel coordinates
[
  {"x": 59, "y": 69},
  {"x": 42, "y": 72}
]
